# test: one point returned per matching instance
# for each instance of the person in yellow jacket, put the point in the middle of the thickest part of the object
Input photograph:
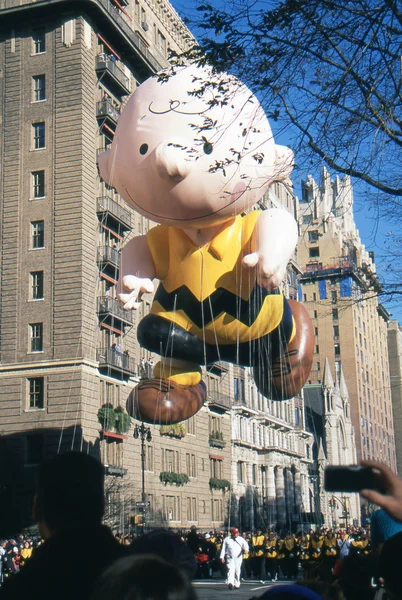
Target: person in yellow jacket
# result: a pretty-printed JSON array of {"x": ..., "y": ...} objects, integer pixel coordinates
[
  {"x": 316, "y": 544},
  {"x": 304, "y": 544},
  {"x": 26, "y": 552},
  {"x": 330, "y": 549},
  {"x": 245, "y": 572},
  {"x": 291, "y": 551},
  {"x": 271, "y": 555},
  {"x": 257, "y": 555}
]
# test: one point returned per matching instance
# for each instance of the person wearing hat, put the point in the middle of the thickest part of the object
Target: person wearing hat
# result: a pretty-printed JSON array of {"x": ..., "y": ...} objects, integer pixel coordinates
[
  {"x": 233, "y": 548},
  {"x": 209, "y": 549}
]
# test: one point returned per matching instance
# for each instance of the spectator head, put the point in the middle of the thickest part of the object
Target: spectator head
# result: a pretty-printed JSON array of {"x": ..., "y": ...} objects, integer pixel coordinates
[
  {"x": 234, "y": 532},
  {"x": 288, "y": 592},
  {"x": 168, "y": 546},
  {"x": 69, "y": 493},
  {"x": 389, "y": 567},
  {"x": 383, "y": 527},
  {"x": 133, "y": 578}
]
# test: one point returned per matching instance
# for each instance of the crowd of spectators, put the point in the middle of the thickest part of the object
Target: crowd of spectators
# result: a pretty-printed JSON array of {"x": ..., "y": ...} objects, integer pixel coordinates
[{"x": 74, "y": 555}]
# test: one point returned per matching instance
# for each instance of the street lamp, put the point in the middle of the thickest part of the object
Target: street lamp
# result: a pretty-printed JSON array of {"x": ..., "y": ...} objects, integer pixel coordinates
[
  {"x": 145, "y": 434},
  {"x": 332, "y": 503},
  {"x": 344, "y": 502}
]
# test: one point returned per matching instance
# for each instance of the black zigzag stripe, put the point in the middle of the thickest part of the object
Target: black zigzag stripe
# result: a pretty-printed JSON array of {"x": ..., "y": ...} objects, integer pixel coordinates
[{"x": 220, "y": 301}]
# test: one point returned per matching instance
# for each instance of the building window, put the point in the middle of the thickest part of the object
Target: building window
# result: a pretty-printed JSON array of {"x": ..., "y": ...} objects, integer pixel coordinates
[
  {"x": 239, "y": 389},
  {"x": 317, "y": 349},
  {"x": 315, "y": 330},
  {"x": 38, "y": 234},
  {"x": 191, "y": 509},
  {"x": 36, "y": 392},
  {"x": 315, "y": 314},
  {"x": 217, "y": 510},
  {"x": 335, "y": 315},
  {"x": 318, "y": 366},
  {"x": 34, "y": 449},
  {"x": 38, "y": 184},
  {"x": 313, "y": 236},
  {"x": 38, "y": 131},
  {"x": 334, "y": 296},
  {"x": 149, "y": 458},
  {"x": 314, "y": 252},
  {"x": 39, "y": 42},
  {"x": 336, "y": 331},
  {"x": 215, "y": 467},
  {"x": 37, "y": 285},
  {"x": 337, "y": 349},
  {"x": 190, "y": 465},
  {"x": 39, "y": 88},
  {"x": 161, "y": 41},
  {"x": 215, "y": 425},
  {"x": 190, "y": 425},
  {"x": 306, "y": 219},
  {"x": 254, "y": 474},
  {"x": 36, "y": 335},
  {"x": 240, "y": 472}
]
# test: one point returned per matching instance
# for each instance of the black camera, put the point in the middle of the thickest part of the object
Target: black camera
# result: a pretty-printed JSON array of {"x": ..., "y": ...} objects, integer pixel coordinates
[{"x": 350, "y": 478}]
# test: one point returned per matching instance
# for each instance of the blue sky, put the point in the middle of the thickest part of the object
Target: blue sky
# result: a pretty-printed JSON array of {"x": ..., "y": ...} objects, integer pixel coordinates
[{"x": 374, "y": 230}]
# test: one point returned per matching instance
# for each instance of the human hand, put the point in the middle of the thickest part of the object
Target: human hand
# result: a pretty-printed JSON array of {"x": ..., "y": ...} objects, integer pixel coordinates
[
  {"x": 136, "y": 287},
  {"x": 223, "y": 561},
  {"x": 391, "y": 498}
]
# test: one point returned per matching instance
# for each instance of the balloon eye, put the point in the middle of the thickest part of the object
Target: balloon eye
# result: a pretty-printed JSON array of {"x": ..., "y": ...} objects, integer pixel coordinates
[
  {"x": 143, "y": 149},
  {"x": 208, "y": 147}
]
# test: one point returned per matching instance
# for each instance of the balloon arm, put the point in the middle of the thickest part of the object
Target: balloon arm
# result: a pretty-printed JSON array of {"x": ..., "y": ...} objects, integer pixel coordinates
[
  {"x": 273, "y": 243},
  {"x": 136, "y": 272}
]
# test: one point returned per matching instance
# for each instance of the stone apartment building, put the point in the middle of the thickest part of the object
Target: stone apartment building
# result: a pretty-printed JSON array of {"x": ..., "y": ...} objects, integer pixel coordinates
[
  {"x": 338, "y": 286},
  {"x": 67, "y": 348},
  {"x": 395, "y": 370},
  {"x": 328, "y": 419}
]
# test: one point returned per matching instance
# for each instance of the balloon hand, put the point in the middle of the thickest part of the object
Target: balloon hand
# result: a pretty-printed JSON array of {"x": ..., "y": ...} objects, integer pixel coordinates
[
  {"x": 136, "y": 287},
  {"x": 269, "y": 276}
]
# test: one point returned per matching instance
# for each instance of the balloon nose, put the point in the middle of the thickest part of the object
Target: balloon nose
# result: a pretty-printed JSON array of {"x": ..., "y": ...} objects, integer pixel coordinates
[{"x": 171, "y": 162}]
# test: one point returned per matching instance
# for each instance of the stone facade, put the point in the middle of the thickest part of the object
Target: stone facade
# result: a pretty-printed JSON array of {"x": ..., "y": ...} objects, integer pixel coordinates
[
  {"x": 339, "y": 288},
  {"x": 67, "y": 348},
  {"x": 328, "y": 417},
  {"x": 395, "y": 369}
]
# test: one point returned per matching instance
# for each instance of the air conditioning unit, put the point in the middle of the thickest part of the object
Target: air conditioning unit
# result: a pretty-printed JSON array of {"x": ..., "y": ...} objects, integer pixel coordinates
[{"x": 145, "y": 26}]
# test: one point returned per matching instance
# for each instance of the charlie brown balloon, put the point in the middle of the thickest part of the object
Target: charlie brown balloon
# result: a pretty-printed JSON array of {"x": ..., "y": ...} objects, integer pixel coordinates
[{"x": 194, "y": 151}]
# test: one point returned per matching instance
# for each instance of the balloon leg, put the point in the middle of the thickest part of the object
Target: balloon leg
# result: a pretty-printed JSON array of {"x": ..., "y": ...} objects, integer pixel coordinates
[{"x": 287, "y": 375}]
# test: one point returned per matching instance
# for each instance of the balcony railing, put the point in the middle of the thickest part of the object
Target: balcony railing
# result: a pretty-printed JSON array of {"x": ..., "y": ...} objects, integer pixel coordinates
[
  {"x": 116, "y": 471},
  {"x": 241, "y": 406},
  {"x": 109, "y": 308},
  {"x": 127, "y": 29},
  {"x": 105, "y": 64},
  {"x": 108, "y": 255},
  {"x": 106, "y": 110},
  {"x": 116, "y": 363},
  {"x": 112, "y": 211},
  {"x": 219, "y": 400}
]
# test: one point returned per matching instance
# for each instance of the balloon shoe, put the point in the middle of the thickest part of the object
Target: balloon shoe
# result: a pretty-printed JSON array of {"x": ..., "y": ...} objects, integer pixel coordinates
[
  {"x": 165, "y": 402},
  {"x": 290, "y": 371}
]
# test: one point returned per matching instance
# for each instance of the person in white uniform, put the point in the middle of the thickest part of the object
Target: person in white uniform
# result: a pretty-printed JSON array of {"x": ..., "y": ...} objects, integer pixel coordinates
[{"x": 233, "y": 548}]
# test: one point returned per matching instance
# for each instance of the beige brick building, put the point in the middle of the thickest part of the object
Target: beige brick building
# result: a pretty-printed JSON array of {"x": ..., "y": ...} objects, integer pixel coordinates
[
  {"x": 338, "y": 287},
  {"x": 67, "y": 348},
  {"x": 395, "y": 370}
]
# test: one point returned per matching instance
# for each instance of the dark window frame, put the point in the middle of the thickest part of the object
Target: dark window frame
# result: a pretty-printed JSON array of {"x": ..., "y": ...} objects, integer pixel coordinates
[{"x": 36, "y": 393}]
